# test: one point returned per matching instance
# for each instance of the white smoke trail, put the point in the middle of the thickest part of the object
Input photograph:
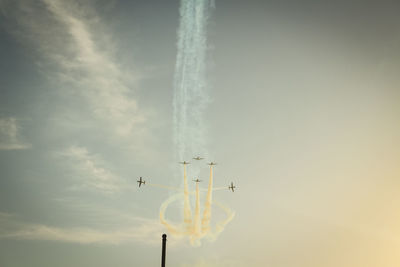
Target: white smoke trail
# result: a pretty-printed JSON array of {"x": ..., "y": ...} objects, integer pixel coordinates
[
  {"x": 190, "y": 102},
  {"x": 190, "y": 86}
]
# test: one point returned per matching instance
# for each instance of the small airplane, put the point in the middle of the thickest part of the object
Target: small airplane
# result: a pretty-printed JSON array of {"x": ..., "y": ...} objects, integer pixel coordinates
[
  {"x": 197, "y": 180},
  {"x": 232, "y": 187},
  {"x": 184, "y": 162},
  {"x": 198, "y": 158},
  {"x": 212, "y": 163},
  {"x": 141, "y": 181}
]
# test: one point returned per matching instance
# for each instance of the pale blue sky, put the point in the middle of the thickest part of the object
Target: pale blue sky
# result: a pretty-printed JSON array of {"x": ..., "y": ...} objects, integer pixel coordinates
[{"x": 304, "y": 117}]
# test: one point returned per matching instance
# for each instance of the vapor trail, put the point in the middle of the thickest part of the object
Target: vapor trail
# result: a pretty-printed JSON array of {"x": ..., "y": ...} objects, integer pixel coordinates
[
  {"x": 190, "y": 94},
  {"x": 205, "y": 223},
  {"x": 190, "y": 102}
]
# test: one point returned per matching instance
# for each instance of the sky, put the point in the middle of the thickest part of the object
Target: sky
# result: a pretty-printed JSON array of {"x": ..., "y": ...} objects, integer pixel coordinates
[{"x": 301, "y": 111}]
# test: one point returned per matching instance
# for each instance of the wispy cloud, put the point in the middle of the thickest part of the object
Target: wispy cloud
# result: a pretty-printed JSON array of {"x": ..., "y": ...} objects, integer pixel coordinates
[
  {"x": 106, "y": 91},
  {"x": 90, "y": 170},
  {"x": 79, "y": 57},
  {"x": 76, "y": 53},
  {"x": 144, "y": 231},
  {"x": 10, "y": 138}
]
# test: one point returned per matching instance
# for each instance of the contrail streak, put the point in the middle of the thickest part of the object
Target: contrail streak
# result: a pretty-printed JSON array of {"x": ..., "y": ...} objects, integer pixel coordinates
[
  {"x": 190, "y": 94},
  {"x": 190, "y": 102}
]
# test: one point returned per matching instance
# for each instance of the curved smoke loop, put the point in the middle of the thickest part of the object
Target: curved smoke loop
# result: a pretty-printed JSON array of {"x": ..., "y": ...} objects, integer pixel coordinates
[{"x": 196, "y": 229}]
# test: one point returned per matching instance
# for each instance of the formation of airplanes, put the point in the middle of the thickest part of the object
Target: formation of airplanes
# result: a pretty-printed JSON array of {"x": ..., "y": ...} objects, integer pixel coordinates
[
  {"x": 141, "y": 181},
  {"x": 230, "y": 187}
]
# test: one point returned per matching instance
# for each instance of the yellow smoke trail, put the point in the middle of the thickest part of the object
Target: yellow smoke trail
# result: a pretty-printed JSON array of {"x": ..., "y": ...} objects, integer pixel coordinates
[
  {"x": 164, "y": 186},
  {"x": 187, "y": 213},
  {"x": 195, "y": 228},
  {"x": 197, "y": 213},
  {"x": 195, "y": 234},
  {"x": 205, "y": 223}
]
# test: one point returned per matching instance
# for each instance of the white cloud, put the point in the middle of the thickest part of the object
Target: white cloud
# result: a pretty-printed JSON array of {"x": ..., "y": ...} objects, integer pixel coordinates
[
  {"x": 78, "y": 55},
  {"x": 145, "y": 231},
  {"x": 10, "y": 135},
  {"x": 102, "y": 78},
  {"x": 90, "y": 170}
]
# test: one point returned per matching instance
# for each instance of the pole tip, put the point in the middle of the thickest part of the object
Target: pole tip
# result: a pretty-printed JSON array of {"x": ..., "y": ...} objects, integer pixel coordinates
[{"x": 164, "y": 236}]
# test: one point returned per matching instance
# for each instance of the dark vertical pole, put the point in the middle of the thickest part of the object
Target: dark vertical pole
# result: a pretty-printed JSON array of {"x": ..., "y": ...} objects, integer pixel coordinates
[{"x": 164, "y": 244}]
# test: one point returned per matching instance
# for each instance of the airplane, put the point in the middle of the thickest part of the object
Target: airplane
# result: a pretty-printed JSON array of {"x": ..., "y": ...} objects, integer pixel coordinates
[
  {"x": 184, "y": 162},
  {"x": 198, "y": 158},
  {"x": 212, "y": 163},
  {"x": 197, "y": 180},
  {"x": 141, "y": 181},
  {"x": 232, "y": 187}
]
